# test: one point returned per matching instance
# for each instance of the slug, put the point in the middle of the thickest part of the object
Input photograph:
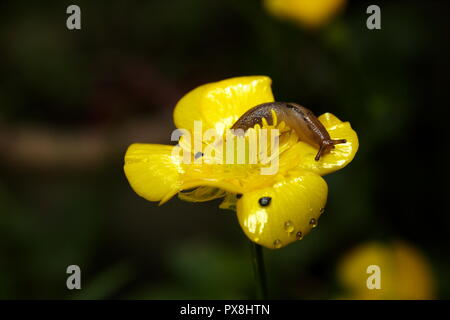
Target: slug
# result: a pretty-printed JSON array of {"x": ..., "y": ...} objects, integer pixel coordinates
[{"x": 308, "y": 128}]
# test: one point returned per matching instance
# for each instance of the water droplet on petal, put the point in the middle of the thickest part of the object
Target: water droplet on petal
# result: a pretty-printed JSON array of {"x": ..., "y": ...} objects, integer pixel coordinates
[
  {"x": 277, "y": 244},
  {"x": 264, "y": 201},
  {"x": 313, "y": 223},
  {"x": 198, "y": 155},
  {"x": 289, "y": 226},
  {"x": 299, "y": 235},
  {"x": 322, "y": 210}
]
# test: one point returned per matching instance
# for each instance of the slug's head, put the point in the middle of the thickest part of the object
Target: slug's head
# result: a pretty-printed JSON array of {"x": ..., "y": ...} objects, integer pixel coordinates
[{"x": 326, "y": 146}]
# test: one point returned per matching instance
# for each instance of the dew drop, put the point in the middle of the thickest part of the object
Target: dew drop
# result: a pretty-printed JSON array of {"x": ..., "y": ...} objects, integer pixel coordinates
[
  {"x": 289, "y": 226},
  {"x": 277, "y": 244},
  {"x": 299, "y": 235},
  {"x": 264, "y": 201},
  {"x": 313, "y": 223},
  {"x": 322, "y": 210},
  {"x": 198, "y": 155}
]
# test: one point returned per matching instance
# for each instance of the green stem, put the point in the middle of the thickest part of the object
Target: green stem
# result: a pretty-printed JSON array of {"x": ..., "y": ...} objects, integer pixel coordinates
[{"x": 260, "y": 271}]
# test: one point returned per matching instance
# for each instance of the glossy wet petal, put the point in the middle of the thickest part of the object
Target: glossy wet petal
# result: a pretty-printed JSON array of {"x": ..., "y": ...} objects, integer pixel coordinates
[
  {"x": 281, "y": 214},
  {"x": 153, "y": 171},
  {"x": 335, "y": 159},
  {"x": 202, "y": 194},
  {"x": 219, "y": 104}
]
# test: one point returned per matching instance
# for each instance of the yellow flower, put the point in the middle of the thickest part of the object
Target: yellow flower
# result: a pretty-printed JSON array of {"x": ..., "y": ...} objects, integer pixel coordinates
[
  {"x": 404, "y": 272},
  {"x": 310, "y": 13},
  {"x": 273, "y": 209}
]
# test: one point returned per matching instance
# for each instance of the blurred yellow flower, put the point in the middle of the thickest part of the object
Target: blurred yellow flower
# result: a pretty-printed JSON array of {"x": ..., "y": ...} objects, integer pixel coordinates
[
  {"x": 310, "y": 13},
  {"x": 273, "y": 209},
  {"x": 405, "y": 273}
]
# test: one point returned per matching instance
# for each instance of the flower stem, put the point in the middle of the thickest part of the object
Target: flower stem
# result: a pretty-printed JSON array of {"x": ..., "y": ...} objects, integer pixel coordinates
[{"x": 260, "y": 271}]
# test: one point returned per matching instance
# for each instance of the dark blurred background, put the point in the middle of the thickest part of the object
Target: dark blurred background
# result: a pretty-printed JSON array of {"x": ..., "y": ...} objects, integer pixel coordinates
[{"x": 72, "y": 101}]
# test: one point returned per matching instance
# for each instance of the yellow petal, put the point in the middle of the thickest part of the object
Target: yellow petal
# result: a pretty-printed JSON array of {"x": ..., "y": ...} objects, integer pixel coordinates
[
  {"x": 228, "y": 186},
  {"x": 189, "y": 109},
  {"x": 229, "y": 202},
  {"x": 152, "y": 171},
  {"x": 337, "y": 158},
  {"x": 202, "y": 194},
  {"x": 294, "y": 209},
  {"x": 219, "y": 104},
  {"x": 233, "y": 178}
]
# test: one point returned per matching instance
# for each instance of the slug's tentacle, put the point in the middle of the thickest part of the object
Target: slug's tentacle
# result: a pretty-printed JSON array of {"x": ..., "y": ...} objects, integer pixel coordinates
[
  {"x": 339, "y": 141},
  {"x": 328, "y": 144}
]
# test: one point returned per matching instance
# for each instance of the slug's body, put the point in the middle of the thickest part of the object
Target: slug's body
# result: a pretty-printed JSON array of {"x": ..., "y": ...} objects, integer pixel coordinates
[{"x": 298, "y": 118}]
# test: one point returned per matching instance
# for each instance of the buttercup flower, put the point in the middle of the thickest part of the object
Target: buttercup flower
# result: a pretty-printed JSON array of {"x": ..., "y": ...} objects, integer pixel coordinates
[
  {"x": 273, "y": 209},
  {"x": 404, "y": 272},
  {"x": 309, "y": 13}
]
